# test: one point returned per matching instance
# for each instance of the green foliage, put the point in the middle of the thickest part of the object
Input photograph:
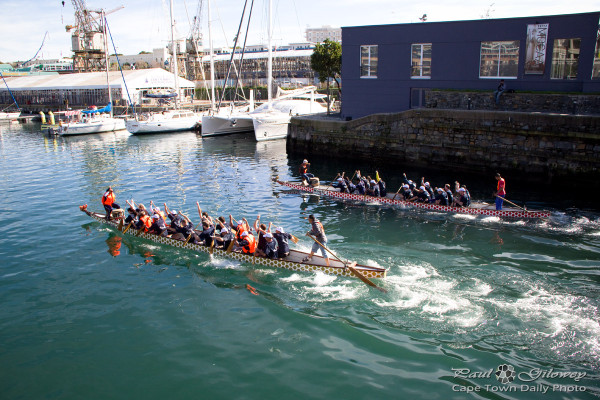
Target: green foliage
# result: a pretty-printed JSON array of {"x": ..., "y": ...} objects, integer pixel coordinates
[
  {"x": 326, "y": 60},
  {"x": 144, "y": 52}
]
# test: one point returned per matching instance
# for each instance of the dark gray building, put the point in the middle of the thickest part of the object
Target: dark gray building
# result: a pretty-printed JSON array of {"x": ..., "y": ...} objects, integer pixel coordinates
[{"x": 388, "y": 68}]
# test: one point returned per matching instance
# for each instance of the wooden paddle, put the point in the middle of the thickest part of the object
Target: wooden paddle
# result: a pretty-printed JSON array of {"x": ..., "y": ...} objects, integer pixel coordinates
[
  {"x": 120, "y": 227},
  {"x": 396, "y": 194},
  {"x": 332, "y": 181},
  {"x": 351, "y": 266},
  {"x": 510, "y": 202},
  {"x": 128, "y": 226}
]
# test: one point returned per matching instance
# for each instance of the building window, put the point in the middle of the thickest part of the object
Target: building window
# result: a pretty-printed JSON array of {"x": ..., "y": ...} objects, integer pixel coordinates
[
  {"x": 596, "y": 67},
  {"x": 368, "y": 61},
  {"x": 421, "y": 61},
  {"x": 499, "y": 59},
  {"x": 565, "y": 58}
]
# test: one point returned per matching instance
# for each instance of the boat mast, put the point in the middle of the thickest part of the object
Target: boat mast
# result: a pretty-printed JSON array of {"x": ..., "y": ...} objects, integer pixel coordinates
[
  {"x": 212, "y": 61},
  {"x": 174, "y": 56},
  {"x": 270, "y": 59},
  {"x": 105, "y": 33}
]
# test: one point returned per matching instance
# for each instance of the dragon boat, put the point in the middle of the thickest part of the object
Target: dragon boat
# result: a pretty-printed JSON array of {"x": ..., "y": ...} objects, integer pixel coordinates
[
  {"x": 292, "y": 262},
  {"x": 391, "y": 199}
]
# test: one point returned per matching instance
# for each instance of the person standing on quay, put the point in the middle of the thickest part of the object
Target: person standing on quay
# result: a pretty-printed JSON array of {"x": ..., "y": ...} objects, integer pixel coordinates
[{"x": 500, "y": 191}]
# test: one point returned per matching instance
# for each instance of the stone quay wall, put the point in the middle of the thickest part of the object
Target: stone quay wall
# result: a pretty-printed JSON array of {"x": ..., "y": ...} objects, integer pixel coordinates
[
  {"x": 544, "y": 147},
  {"x": 587, "y": 104}
]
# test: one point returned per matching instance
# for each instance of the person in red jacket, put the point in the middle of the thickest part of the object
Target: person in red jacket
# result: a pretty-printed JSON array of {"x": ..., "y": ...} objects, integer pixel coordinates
[{"x": 500, "y": 191}]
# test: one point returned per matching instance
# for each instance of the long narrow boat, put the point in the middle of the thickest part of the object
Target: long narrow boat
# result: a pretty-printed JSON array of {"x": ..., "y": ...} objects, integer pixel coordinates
[
  {"x": 474, "y": 209},
  {"x": 292, "y": 262}
]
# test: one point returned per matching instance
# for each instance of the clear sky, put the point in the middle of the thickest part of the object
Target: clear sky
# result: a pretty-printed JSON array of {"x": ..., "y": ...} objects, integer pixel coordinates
[{"x": 144, "y": 24}]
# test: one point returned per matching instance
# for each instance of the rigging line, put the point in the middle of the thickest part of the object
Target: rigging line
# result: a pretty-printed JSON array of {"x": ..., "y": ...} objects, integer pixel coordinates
[
  {"x": 237, "y": 36},
  {"x": 119, "y": 64},
  {"x": 9, "y": 91},
  {"x": 238, "y": 81},
  {"x": 38, "y": 52},
  {"x": 297, "y": 18}
]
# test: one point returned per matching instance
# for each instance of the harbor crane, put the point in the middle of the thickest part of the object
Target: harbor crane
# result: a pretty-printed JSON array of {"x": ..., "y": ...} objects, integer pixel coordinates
[
  {"x": 87, "y": 39},
  {"x": 193, "y": 47}
]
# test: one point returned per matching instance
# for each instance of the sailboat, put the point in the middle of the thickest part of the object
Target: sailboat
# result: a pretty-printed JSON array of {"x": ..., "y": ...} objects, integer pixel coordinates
[
  {"x": 94, "y": 120},
  {"x": 6, "y": 115},
  {"x": 169, "y": 120},
  {"x": 271, "y": 120},
  {"x": 229, "y": 120}
]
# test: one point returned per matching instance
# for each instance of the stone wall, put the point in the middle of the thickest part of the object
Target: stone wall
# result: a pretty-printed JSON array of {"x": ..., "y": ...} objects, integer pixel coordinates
[
  {"x": 521, "y": 102},
  {"x": 541, "y": 146}
]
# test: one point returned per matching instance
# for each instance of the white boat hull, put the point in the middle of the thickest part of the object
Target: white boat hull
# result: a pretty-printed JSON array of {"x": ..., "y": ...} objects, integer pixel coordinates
[
  {"x": 97, "y": 126},
  {"x": 162, "y": 126},
  {"x": 270, "y": 126},
  {"x": 222, "y": 125},
  {"x": 11, "y": 116}
]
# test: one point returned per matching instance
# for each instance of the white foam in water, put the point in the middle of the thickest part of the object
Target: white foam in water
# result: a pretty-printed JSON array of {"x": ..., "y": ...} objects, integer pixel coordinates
[
  {"x": 468, "y": 217},
  {"x": 421, "y": 289},
  {"x": 321, "y": 286},
  {"x": 225, "y": 263},
  {"x": 491, "y": 220},
  {"x": 568, "y": 321}
]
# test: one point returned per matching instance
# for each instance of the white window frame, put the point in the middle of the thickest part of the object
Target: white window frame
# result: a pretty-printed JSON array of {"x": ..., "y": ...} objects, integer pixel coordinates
[
  {"x": 498, "y": 76},
  {"x": 421, "y": 76},
  {"x": 369, "y": 76}
]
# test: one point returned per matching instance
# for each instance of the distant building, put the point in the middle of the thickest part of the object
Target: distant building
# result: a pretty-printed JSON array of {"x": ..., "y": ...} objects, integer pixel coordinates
[
  {"x": 291, "y": 65},
  {"x": 389, "y": 68},
  {"x": 318, "y": 35},
  {"x": 60, "y": 65},
  {"x": 156, "y": 59},
  {"x": 8, "y": 71}
]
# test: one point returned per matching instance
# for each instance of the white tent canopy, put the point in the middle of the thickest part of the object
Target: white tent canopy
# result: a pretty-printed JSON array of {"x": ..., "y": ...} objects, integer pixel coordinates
[{"x": 137, "y": 81}]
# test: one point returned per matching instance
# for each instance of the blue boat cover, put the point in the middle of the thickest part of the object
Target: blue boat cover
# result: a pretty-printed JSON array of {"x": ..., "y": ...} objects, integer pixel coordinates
[{"x": 107, "y": 109}]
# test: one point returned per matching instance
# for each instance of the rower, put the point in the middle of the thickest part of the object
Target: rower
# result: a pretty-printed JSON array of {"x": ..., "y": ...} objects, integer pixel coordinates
[
  {"x": 145, "y": 222},
  {"x": 382, "y": 189},
  {"x": 158, "y": 227},
  {"x": 448, "y": 191},
  {"x": 206, "y": 236},
  {"x": 441, "y": 197},
  {"x": 282, "y": 238},
  {"x": 108, "y": 201},
  {"x": 427, "y": 187},
  {"x": 463, "y": 199},
  {"x": 271, "y": 247},
  {"x": 224, "y": 238},
  {"x": 374, "y": 189},
  {"x": 405, "y": 192},
  {"x": 247, "y": 242}
]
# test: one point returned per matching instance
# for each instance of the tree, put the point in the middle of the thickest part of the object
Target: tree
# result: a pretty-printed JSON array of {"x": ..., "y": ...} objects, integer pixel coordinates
[{"x": 326, "y": 61}]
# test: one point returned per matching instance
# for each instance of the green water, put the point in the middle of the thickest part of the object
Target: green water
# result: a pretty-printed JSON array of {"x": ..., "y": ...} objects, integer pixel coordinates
[{"x": 88, "y": 314}]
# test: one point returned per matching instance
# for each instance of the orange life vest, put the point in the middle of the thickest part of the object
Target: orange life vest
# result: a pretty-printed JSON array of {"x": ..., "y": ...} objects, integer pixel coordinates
[
  {"x": 241, "y": 227},
  {"x": 108, "y": 199},
  {"x": 251, "y": 246},
  {"x": 147, "y": 222}
]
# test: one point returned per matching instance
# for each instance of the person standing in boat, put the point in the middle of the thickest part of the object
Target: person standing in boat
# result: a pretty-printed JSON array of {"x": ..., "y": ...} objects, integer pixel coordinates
[
  {"x": 500, "y": 191},
  {"x": 318, "y": 232},
  {"x": 304, "y": 172},
  {"x": 108, "y": 201}
]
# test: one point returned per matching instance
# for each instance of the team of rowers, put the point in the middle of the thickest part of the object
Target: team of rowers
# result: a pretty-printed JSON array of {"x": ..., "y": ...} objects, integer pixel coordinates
[
  {"x": 260, "y": 240},
  {"x": 409, "y": 191}
]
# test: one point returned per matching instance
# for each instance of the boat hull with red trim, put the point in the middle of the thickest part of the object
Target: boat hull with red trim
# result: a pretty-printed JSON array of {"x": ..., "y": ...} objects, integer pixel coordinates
[{"x": 476, "y": 209}]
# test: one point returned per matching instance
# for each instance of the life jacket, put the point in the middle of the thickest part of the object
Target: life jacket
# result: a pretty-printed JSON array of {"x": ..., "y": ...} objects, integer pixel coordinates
[
  {"x": 108, "y": 199},
  {"x": 240, "y": 228},
  {"x": 303, "y": 169},
  {"x": 250, "y": 248},
  {"x": 147, "y": 221}
]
